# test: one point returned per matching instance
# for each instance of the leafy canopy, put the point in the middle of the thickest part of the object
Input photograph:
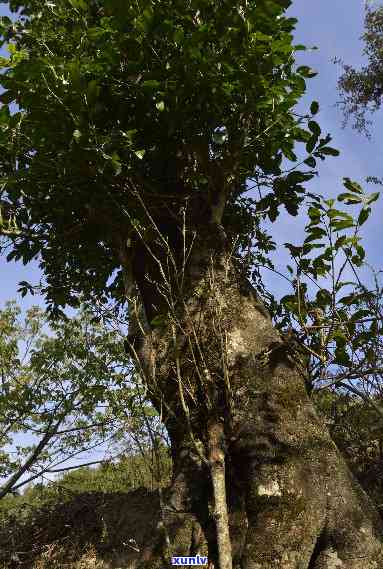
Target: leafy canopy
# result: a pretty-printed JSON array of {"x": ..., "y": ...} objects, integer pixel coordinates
[
  {"x": 362, "y": 90},
  {"x": 170, "y": 101}
]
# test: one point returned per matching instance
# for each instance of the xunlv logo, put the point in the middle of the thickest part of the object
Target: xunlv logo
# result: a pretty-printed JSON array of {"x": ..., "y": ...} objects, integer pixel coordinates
[{"x": 189, "y": 560}]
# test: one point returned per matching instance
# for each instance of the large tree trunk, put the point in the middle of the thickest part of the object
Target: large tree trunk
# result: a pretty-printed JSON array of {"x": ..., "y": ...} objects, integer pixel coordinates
[{"x": 293, "y": 503}]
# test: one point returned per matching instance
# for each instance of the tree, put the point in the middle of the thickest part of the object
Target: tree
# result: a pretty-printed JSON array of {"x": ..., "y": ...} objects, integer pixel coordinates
[
  {"x": 72, "y": 390},
  {"x": 125, "y": 170},
  {"x": 362, "y": 90}
]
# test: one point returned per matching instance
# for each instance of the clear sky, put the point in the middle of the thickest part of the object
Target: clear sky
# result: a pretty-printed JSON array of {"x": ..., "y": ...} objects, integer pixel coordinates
[{"x": 335, "y": 26}]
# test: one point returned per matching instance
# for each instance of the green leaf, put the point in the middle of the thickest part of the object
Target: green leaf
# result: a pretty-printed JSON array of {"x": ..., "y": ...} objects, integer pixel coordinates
[
  {"x": 140, "y": 153},
  {"x": 315, "y": 128},
  {"x": 349, "y": 198},
  {"x": 262, "y": 37},
  {"x": 5, "y": 21},
  {"x": 364, "y": 215},
  {"x": 314, "y": 213},
  {"x": 116, "y": 163},
  {"x": 301, "y": 135},
  {"x": 96, "y": 33},
  {"x": 294, "y": 250},
  {"x": 320, "y": 266},
  {"x": 306, "y": 71},
  {"x": 129, "y": 135},
  {"x": 160, "y": 106},
  {"x": 357, "y": 261},
  {"x": 315, "y": 233},
  {"x": 307, "y": 247},
  {"x": 4, "y": 62},
  {"x": 372, "y": 198},
  {"x": 323, "y": 297},
  {"x": 333, "y": 213},
  {"x": 151, "y": 84},
  {"x": 352, "y": 186},
  {"x": 311, "y": 143},
  {"x": 360, "y": 314},
  {"x": 79, "y": 4},
  {"x": 297, "y": 177},
  {"x": 330, "y": 151},
  {"x": 4, "y": 114},
  {"x": 273, "y": 214},
  {"x": 315, "y": 230},
  {"x": 310, "y": 161},
  {"x": 287, "y": 151},
  {"x": 361, "y": 252},
  {"x": 349, "y": 299},
  {"x": 314, "y": 108},
  {"x": 339, "y": 225},
  {"x": 324, "y": 141},
  {"x": 340, "y": 339},
  {"x": 342, "y": 357}
]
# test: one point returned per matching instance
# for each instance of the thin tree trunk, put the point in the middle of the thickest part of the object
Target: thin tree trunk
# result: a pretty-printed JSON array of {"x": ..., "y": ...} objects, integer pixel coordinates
[
  {"x": 217, "y": 468},
  {"x": 32, "y": 458}
]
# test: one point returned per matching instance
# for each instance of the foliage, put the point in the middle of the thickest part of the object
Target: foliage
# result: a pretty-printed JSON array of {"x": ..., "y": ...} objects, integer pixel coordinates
[
  {"x": 356, "y": 432},
  {"x": 332, "y": 319},
  {"x": 164, "y": 102},
  {"x": 129, "y": 472},
  {"x": 362, "y": 90},
  {"x": 326, "y": 306},
  {"x": 64, "y": 390}
]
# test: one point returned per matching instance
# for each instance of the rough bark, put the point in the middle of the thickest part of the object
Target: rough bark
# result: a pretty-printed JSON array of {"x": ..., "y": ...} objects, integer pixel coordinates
[{"x": 293, "y": 504}]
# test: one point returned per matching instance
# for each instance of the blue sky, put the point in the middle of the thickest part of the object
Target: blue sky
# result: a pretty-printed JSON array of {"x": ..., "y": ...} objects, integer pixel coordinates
[{"x": 335, "y": 26}]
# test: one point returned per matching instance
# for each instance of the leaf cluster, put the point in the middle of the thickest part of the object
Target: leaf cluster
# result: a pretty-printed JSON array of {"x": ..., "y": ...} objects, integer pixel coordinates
[{"x": 178, "y": 102}]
